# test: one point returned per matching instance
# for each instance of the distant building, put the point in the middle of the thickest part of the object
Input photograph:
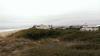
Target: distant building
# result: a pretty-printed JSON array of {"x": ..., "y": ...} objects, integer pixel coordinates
[
  {"x": 89, "y": 28},
  {"x": 60, "y": 27},
  {"x": 75, "y": 26},
  {"x": 42, "y": 26}
]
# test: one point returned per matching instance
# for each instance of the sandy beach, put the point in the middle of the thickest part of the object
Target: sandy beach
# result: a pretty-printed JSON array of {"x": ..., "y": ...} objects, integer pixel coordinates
[{"x": 4, "y": 33}]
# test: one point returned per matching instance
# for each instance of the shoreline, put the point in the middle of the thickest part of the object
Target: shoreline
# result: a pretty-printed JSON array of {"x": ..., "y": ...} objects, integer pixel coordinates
[
  {"x": 17, "y": 29},
  {"x": 5, "y": 33}
]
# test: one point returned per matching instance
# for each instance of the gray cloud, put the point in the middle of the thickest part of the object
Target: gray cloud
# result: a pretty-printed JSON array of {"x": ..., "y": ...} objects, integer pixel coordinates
[{"x": 75, "y": 18}]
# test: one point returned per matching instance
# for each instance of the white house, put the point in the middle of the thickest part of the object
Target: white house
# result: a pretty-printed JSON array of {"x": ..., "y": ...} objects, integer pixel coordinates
[
  {"x": 89, "y": 28},
  {"x": 42, "y": 26}
]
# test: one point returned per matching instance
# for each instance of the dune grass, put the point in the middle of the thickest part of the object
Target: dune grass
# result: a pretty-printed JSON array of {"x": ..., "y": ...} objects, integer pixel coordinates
[{"x": 52, "y": 42}]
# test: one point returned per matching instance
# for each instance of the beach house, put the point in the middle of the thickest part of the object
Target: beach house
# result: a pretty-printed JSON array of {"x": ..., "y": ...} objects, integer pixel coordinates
[
  {"x": 89, "y": 28},
  {"x": 42, "y": 26}
]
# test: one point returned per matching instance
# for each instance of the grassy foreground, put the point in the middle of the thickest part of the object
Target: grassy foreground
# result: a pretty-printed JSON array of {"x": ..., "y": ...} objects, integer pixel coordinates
[{"x": 54, "y": 42}]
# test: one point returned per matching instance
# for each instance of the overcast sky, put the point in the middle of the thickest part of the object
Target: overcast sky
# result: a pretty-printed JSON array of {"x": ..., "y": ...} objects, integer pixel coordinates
[{"x": 30, "y": 12}]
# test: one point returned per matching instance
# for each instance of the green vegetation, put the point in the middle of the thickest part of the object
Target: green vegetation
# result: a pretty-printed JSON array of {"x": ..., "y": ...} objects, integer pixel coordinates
[
  {"x": 37, "y": 34},
  {"x": 52, "y": 42},
  {"x": 64, "y": 35}
]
